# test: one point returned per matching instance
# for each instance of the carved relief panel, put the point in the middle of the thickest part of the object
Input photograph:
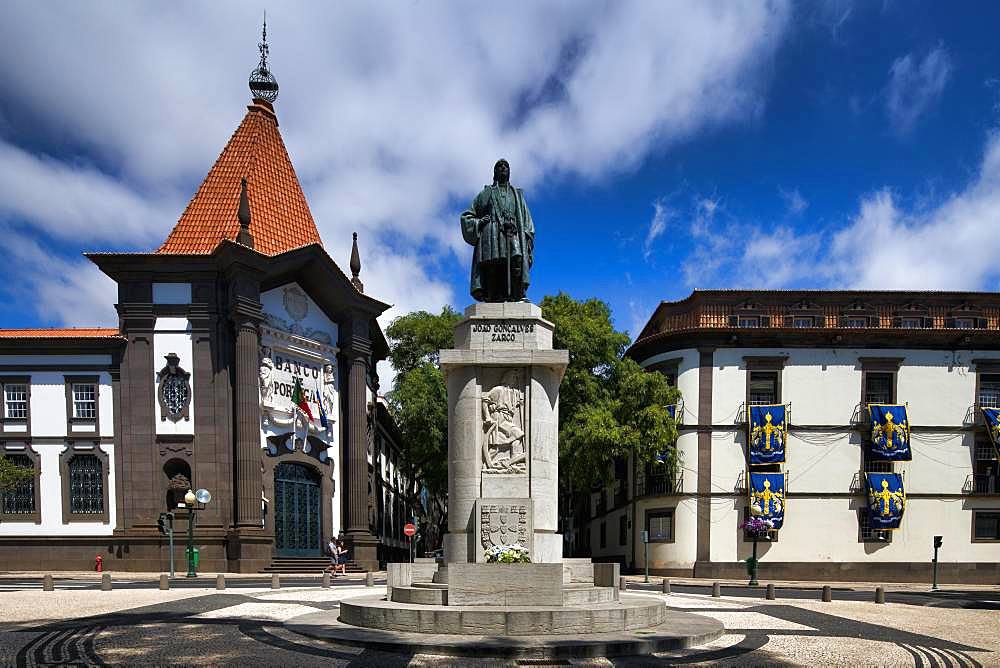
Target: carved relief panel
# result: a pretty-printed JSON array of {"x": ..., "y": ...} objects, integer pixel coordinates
[{"x": 504, "y": 442}]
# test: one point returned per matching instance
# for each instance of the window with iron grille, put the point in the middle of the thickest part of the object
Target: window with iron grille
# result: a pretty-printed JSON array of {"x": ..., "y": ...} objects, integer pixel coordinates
[
  {"x": 873, "y": 465},
  {"x": 879, "y": 387},
  {"x": 749, "y": 321},
  {"x": 803, "y": 321},
  {"x": 869, "y": 535},
  {"x": 21, "y": 499},
  {"x": 660, "y": 526},
  {"x": 86, "y": 485},
  {"x": 911, "y": 323},
  {"x": 986, "y": 526},
  {"x": 856, "y": 322},
  {"x": 604, "y": 534},
  {"x": 965, "y": 323},
  {"x": 15, "y": 397},
  {"x": 763, "y": 388},
  {"x": 85, "y": 401},
  {"x": 989, "y": 390},
  {"x": 623, "y": 529}
]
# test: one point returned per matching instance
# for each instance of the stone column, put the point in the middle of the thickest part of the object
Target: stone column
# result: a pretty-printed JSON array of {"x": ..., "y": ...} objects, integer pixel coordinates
[
  {"x": 248, "y": 453},
  {"x": 361, "y": 543}
]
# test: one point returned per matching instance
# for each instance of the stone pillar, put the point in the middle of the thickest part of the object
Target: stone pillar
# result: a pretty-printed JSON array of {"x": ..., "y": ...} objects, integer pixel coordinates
[
  {"x": 362, "y": 545},
  {"x": 248, "y": 452}
]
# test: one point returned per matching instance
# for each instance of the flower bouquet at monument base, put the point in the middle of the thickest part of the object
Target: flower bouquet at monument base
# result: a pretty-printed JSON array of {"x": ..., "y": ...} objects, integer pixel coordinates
[{"x": 507, "y": 554}]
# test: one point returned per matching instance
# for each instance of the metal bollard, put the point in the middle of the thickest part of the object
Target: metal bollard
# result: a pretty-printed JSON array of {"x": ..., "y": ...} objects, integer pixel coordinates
[
  {"x": 827, "y": 594},
  {"x": 326, "y": 580},
  {"x": 879, "y": 595},
  {"x": 275, "y": 581},
  {"x": 716, "y": 590},
  {"x": 220, "y": 581},
  {"x": 47, "y": 584},
  {"x": 769, "y": 592},
  {"x": 164, "y": 582},
  {"x": 106, "y": 582},
  {"x": 666, "y": 585},
  {"x": 622, "y": 583},
  {"x": 369, "y": 579}
]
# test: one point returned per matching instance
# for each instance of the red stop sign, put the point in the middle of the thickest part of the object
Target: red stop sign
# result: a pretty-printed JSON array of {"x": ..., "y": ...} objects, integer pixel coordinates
[{"x": 409, "y": 529}]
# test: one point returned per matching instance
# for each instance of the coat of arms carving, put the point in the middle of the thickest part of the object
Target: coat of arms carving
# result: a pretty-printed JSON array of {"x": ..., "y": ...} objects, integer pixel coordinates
[
  {"x": 296, "y": 303},
  {"x": 174, "y": 392}
]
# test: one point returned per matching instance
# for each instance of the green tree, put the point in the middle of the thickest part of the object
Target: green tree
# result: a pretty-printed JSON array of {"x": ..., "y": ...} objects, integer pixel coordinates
[
  {"x": 608, "y": 406},
  {"x": 419, "y": 403}
]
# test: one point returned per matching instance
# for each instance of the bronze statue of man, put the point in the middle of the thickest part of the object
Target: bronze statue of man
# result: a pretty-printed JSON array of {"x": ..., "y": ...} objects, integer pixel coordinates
[{"x": 499, "y": 226}]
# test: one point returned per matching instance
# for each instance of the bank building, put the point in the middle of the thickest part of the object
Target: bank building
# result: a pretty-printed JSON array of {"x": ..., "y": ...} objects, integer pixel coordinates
[
  {"x": 244, "y": 363},
  {"x": 861, "y": 424}
]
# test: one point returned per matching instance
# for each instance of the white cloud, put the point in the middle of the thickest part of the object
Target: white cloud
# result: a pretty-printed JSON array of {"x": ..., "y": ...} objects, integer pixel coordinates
[
  {"x": 913, "y": 86},
  {"x": 393, "y": 113},
  {"x": 657, "y": 226},
  {"x": 74, "y": 293},
  {"x": 952, "y": 245},
  {"x": 795, "y": 203}
]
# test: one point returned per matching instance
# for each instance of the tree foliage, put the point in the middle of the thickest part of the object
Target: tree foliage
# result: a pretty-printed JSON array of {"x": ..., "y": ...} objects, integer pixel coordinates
[
  {"x": 419, "y": 404},
  {"x": 11, "y": 475},
  {"x": 608, "y": 406}
]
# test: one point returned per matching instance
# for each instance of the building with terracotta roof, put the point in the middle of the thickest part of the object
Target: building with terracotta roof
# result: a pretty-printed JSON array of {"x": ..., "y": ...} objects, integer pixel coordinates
[
  {"x": 244, "y": 364},
  {"x": 796, "y": 407}
]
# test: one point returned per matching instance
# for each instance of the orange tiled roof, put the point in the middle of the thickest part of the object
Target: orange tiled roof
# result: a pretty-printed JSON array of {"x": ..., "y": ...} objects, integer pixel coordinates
[
  {"x": 279, "y": 214},
  {"x": 61, "y": 333}
]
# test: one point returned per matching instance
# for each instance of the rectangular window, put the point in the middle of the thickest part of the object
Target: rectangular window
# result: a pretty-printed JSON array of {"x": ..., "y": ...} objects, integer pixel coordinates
[
  {"x": 987, "y": 526},
  {"x": 84, "y": 401},
  {"x": 984, "y": 470},
  {"x": 856, "y": 323},
  {"x": 965, "y": 323},
  {"x": 749, "y": 321},
  {"x": 989, "y": 390},
  {"x": 763, "y": 388},
  {"x": 803, "y": 321},
  {"x": 911, "y": 323},
  {"x": 20, "y": 500},
  {"x": 660, "y": 527},
  {"x": 604, "y": 534},
  {"x": 15, "y": 401},
  {"x": 878, "y": 387},
  {"x": 622, "y": 529},
  {"x": 869, "y": 535}
]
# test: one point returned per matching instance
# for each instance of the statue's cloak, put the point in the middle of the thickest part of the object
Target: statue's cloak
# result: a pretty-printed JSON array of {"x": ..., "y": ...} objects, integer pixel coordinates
[{"x": 491, "y": 244}]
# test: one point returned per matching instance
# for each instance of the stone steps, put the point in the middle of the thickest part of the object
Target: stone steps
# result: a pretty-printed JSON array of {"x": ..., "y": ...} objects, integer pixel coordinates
[
  {"x": 630, "y": 613},
  {"x": 430, "y": 593}
]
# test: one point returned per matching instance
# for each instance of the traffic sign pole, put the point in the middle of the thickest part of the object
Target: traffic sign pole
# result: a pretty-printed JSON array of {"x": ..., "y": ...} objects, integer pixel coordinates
[{"x": 410, "y": 530}]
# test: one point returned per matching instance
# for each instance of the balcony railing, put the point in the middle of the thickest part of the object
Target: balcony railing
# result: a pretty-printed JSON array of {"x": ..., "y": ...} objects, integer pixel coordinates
[
  {"x": 981, "y": 483},
  {"x": 659, "y": 485}
]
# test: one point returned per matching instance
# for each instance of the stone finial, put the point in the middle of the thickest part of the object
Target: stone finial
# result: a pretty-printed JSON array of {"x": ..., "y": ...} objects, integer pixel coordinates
[
  {"x": 356, "y": 266},
  {"x": 244, "y": 237}
]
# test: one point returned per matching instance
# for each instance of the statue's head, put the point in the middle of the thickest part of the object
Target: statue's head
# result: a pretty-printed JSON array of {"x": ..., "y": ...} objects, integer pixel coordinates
[{"x": 501, "y": 172}]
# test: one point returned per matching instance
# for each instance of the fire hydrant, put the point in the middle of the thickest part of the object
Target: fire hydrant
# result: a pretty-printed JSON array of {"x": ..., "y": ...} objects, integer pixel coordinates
[{"x": 99, "y": 564}]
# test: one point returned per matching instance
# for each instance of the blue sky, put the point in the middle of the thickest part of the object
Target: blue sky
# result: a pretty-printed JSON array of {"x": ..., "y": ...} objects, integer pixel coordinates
[{"x": 662, "y": 146}]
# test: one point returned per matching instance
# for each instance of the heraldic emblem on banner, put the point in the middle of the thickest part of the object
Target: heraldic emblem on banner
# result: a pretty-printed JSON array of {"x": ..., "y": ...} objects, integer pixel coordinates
[
  {"x": 767, "y": 497},
  {"x": 890, "y": 432},
  {"x": 768, "y": 434},
  {"x": 886, "y": 500},
  {"x": 992, "y": 418}
]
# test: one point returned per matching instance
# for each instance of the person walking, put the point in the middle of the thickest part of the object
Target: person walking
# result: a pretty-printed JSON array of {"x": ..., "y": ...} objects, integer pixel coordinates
[
  {"x": 333, "y": 553},
  {"x": 341, "y": 559}
]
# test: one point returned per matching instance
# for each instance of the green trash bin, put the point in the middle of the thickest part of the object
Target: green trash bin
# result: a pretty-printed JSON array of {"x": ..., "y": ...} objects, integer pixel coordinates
[{"x": 193, "y": 556}]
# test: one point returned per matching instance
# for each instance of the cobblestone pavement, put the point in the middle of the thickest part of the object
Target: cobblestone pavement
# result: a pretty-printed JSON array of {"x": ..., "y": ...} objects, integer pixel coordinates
[{"x": 205, "y": 627}]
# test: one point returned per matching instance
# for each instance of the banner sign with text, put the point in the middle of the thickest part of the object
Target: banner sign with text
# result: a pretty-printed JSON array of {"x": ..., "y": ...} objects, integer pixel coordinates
[
  {"x": 886, "y": 500},
  {"x": 768, "y": 434},
  {"x": 890, "y": 432}
]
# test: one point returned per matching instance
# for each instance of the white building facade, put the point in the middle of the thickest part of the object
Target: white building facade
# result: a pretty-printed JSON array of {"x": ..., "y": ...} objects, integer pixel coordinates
[{"x": 825, "y": 356}]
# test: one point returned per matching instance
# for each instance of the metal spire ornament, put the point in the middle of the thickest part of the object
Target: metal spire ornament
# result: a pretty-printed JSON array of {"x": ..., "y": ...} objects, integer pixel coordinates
[{"x": 263, "y": 85}]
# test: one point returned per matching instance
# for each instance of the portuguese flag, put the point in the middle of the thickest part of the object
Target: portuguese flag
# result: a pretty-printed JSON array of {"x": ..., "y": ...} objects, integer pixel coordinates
[{"x": 299, "y": 399}]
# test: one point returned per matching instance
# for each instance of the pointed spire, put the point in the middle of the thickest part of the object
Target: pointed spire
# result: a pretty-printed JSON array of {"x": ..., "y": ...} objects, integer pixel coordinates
[
  {"x": 244, "y": 237},
  {"x": 263, "y": 85},
  {"x": 356, "y": 266}
]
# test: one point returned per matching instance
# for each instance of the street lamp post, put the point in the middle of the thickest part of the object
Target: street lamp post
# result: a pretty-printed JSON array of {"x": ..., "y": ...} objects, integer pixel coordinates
[{"x": 202, "y": 496}]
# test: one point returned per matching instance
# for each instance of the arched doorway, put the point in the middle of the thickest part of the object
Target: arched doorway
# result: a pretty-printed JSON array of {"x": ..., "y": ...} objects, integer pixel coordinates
[{"x": 297, "y": 516}]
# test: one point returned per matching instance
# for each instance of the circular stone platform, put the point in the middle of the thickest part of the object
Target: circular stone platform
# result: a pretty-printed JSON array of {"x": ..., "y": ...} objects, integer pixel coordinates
[{"x": 529, "y": 632}]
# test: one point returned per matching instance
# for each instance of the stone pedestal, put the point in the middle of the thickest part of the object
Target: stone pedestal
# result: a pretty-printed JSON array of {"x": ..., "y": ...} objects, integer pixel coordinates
[{"x": 503, "y": 423}]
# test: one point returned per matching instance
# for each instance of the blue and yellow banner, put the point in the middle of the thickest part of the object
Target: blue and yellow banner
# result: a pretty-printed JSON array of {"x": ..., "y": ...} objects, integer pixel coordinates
[
  {"x": 992, "y": 418},
  {"x": 890, "y": 432},
  {"x": 767, "y": 496},
  {"x": 672, "y": 411},
  {"x": 886, "y": 500},
  {"x": 768, "y": 434}
]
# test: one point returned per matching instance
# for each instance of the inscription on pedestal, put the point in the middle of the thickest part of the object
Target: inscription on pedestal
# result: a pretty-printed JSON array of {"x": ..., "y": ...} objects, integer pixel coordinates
[
  {"x": 503, "y": 331},
  {"x": 503, "y": 522}
]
